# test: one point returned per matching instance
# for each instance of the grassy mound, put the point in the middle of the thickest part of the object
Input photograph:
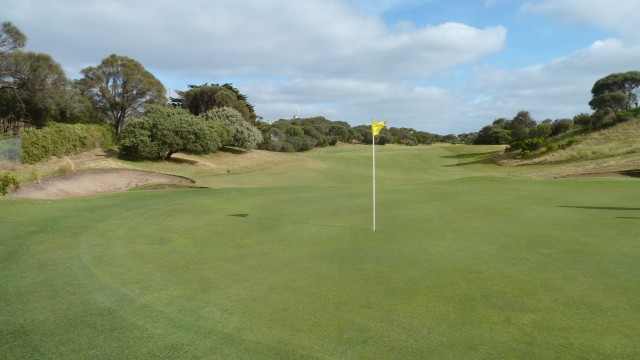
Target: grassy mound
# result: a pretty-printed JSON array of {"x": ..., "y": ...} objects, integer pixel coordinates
[{"x": 612, "y": 149}]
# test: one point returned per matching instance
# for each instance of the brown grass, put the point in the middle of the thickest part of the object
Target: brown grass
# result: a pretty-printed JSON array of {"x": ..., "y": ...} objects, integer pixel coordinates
[{"x": 610, "y": 150}]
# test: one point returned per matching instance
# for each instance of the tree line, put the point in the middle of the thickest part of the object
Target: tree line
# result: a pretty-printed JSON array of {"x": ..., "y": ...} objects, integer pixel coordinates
[
  {"x": 34, "y": 92},
  {"x": 614, "y": 100}
]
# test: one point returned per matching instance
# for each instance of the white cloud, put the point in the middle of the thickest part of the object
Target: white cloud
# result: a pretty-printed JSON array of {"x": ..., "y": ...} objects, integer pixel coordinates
[
  {"x": 357, "y": 101},
  {"x": 248, "y": 38},
  {"x": 560, "y": 88},
  {"x": 621, "y": 16},
  {"x": 338, "y": 58}
]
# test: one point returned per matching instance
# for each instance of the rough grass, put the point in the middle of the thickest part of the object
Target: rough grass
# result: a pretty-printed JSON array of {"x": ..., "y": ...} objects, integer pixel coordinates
[
  {"x": 280, "y": 262},
  {"x": 612, "y": 149}
]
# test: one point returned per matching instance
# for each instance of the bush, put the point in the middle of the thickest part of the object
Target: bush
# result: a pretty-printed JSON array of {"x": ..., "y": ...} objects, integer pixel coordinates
[
  {"x": 561, "y": 126},
  {"x": 533, "y": 144},
  {"x": 527, "y": 145},
  {"x": 569, "y": 142},
  {"x": 301, "y": 143},
  {"x": 64, "y": 139},
  {"x": 223, "y": 132},
  {"x": 163, "y": 131},
  {"x": 584, "y": 120},
  {"x": 384, "y": 139},
  {"x": 552, "y": 147},
  {"x": 628, "y": 115},
  {"x": 7, "y": 180},
  {"x": 408, "y": 142},
  {"x": 245, "y": 135},
  {"x": 493, "y": 135}
]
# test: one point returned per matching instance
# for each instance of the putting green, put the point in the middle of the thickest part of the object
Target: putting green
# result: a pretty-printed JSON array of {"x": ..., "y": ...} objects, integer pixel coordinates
[{"x": 467, "y": 262}]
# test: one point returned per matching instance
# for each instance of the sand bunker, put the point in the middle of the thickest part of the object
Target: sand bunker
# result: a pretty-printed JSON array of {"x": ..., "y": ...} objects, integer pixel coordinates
[{"x": 91, "y": 182}]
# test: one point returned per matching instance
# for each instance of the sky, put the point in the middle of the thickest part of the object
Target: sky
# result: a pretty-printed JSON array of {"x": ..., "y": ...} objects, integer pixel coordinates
[{"x": 442, "y": 66}]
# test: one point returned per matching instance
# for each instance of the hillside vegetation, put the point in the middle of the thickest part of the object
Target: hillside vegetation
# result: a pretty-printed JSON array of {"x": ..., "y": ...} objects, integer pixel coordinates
[{"x": 611, "y": 149}]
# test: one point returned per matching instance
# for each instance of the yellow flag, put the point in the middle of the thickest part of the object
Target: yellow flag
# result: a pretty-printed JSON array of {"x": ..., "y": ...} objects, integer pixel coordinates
[{"x": 376, "y": 127}]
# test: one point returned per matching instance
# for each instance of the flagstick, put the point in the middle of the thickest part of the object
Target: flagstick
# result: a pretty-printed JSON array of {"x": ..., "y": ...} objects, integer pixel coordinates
[{"x": 374, "y": 181}]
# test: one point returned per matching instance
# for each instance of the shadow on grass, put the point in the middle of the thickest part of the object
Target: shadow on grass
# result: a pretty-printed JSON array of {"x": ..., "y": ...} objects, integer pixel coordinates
[
  {"x": 471, "y": 155},
  {"x": 628, "y": 217},
  {"x": 233, "y": 150},
  {"x": 485, "y": 158},
  {"x": 631, "y": 173},
  {"x": 601, "y": 208},
  {"x": 240, "y": 215}
]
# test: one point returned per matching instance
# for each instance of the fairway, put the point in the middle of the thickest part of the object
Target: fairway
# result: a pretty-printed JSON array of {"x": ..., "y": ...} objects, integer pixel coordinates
[{"x": 469, "y": 261}]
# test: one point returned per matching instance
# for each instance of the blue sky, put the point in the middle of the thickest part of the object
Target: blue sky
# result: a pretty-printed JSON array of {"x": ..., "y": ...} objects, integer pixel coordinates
[{"x": 436, "y": 65}]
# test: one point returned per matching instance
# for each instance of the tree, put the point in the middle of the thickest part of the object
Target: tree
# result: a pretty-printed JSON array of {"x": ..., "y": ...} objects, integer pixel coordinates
[
  {"x": 584, "y": 120},
  {"x": 202, "y": 98},
  {"x": 520, "y": 126},
  {"x": 619, "y": 90},
  {"x": 245, "y": 135},
  {"x": 119, "y": 88},
  {"x": 163, "y": 131},
  {"x": 493, "y": 135},
  {"x": 561, "y": 126},
  {"x": 615, "y": 101},
  {"x": 34, "y": 89},
  {"x": 542, "y": 130},
  {"x": 30, "y": 83},
  {"x": 11, "y": 39}
]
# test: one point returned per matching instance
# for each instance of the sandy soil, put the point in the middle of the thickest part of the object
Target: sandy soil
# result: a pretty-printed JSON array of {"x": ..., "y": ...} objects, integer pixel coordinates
[{"x": 82, "y": 183}]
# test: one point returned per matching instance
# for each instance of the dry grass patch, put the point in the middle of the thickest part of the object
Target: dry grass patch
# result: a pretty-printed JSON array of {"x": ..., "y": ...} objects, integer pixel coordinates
[{"x": 610, "y": 150}]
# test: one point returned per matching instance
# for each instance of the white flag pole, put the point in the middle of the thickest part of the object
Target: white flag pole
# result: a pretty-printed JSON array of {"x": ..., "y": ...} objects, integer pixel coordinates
[{"x": 373, "y": 145}]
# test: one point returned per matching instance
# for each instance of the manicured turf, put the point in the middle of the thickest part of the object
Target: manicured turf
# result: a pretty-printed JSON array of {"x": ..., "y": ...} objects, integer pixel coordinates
[{"x": 468, "y": 262}]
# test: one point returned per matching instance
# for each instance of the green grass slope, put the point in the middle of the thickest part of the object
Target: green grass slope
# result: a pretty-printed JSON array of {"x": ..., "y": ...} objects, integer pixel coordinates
[
  {"x": 280, "y": 262},
  {"x": 611, "y": 149}
]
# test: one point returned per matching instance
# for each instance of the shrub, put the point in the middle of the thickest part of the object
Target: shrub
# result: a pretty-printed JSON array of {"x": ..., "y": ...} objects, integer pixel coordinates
[
  {"x": 493, "y": 135},
  {"x": 516, "y": 145},
  {"x": 223, "y": 132},
  {"x": 67, "y": 166},
  {"x": 408, "y": 142},
  {"x": 288, "y": 147},
  {"x": 533, "y": 144},
  {"x": 569, "y": 142},
  {"x": 384, "y": 139},
  {"x": 301, "y": 143},
  {"x": 628, "y": 115},
  {"x": 64, "y": 139},
  {"x": 552, "y": 147},
  {"x": 527, "y": 145},
  {"x": 7, "y": 180},
  {"x": 163, "y": 131},
  {"x": 583, "y": 119},
  {"x": 245, "y": 135}
]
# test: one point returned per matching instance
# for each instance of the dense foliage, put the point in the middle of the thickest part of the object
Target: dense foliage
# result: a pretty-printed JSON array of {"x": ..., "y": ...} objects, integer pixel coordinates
[
  {"x": 616, "y": 92},
  {"x": 615, "y": 100},
  {"x": 7, "y": 180},
  {"x": 307, "y": 133},
  {"x": 119, "y": 88},
  {"x": 242, "y": 134},
  {"x": 202, "y": 98},
  {"x": 33, "y": 88},
  {"x": 63, "y": 139},
  {"x": 163, "y": 130}
]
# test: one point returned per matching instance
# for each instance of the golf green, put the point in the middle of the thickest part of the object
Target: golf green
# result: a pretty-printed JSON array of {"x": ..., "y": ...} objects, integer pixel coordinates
[{"x": 468, "y": 262}]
